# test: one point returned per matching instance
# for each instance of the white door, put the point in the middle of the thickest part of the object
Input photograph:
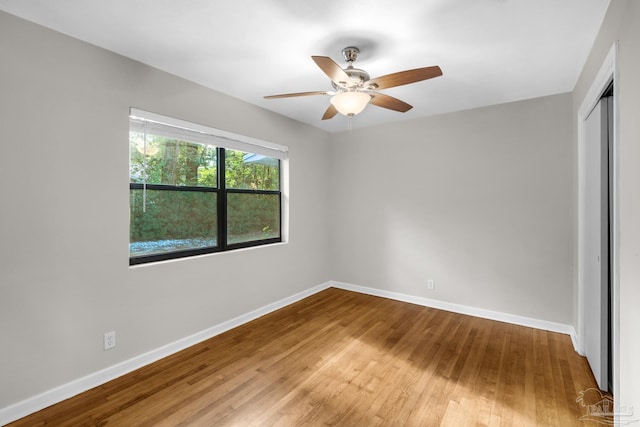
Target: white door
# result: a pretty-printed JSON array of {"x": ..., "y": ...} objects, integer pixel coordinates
[{"x": 596, "y": 249}]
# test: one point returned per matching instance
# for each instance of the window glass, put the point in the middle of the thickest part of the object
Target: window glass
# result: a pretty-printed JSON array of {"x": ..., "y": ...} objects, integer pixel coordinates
[
  {"x": 168, "y": 221},
  {"x": 160, "y": 160},
  {"x": 252, "y": 216},
  {"x": 251, "y": 171}
]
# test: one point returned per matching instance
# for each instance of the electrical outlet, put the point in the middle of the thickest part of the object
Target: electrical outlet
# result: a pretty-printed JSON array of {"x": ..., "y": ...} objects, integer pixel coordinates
[
  {"x": 109, "y": 340},
  {"x": 431, "y": 284}
]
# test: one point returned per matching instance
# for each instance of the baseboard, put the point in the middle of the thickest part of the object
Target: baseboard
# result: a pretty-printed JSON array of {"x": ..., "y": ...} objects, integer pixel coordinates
[
  {"x": 464, "y": 309},
  {"x": 65, "y": 391}
]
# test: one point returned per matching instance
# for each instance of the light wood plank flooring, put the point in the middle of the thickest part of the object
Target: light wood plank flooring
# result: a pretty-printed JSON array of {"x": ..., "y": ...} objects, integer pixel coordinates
[{"x": 343, "y": 358}]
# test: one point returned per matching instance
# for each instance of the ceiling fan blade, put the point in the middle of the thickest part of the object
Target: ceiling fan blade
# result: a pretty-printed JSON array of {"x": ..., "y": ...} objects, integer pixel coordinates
[
  {"x": 330, "y": 113},
  {"x": 290, "y": 95},
  {"x": 332, "y": 70},
  {"x": 404, "y": 77},
  {"x": 386, "y": 101}
]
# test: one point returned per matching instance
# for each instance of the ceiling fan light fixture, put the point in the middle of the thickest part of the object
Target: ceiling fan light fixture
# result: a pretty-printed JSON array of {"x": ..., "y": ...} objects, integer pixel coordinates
[{"x": 350, "y": 103}]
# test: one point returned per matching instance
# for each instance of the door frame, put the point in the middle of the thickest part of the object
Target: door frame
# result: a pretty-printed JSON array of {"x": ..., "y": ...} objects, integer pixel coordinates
[{"x": 608, "y": 72}]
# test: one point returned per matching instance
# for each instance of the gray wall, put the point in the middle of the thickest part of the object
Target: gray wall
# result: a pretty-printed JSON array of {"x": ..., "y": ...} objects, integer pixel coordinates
[
  {"x": 482, "y": 201},
  {"x": 64, "y": 271},
  {"x": 622, "y": 23},
  {"x": 479, "y": 201}
]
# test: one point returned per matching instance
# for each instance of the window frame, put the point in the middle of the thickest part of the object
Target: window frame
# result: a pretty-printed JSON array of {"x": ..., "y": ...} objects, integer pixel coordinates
[
  {"x": 222, "y": 207},
  {"x": 233, "y": 142}
]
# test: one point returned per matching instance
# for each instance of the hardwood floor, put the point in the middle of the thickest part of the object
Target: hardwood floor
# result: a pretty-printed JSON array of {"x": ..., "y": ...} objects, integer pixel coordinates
[{"x": 343, "y": 358}]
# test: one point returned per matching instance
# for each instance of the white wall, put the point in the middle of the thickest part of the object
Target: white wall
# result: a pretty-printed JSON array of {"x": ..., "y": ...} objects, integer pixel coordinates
[
  {"x": 479, "y": 200},
  {"x": 622, "y": 23},
  {"x": 65, "y": 278}
]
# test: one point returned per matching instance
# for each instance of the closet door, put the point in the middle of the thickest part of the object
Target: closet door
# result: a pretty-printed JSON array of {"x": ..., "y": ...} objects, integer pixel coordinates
[{"x": 596, "y": 309}]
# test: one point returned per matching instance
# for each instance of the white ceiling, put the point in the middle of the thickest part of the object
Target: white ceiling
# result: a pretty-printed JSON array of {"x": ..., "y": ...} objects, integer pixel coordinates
[{"x": 490, "y": 51}]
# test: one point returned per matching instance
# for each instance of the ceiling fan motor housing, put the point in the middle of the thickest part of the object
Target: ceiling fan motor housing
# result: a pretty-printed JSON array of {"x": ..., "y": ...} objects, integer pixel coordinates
[{"x": 357, "y": 77}]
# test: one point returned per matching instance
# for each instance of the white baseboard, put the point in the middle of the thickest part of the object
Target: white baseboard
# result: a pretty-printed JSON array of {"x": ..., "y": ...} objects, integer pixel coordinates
[
  {"x": 65, "y": 391},
  {"x": 465, "y": 309}
]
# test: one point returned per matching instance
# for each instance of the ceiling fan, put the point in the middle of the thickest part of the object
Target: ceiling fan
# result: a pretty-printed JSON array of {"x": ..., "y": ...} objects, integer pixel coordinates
[{"x": 354, "y": 89}]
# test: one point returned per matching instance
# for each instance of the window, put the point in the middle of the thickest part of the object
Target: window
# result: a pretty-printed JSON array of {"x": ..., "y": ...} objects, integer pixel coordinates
[{"x": 196, "y": 190}]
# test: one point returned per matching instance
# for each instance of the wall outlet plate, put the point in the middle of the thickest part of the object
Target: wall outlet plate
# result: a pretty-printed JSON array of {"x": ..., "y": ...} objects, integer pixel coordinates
[
  {"x": 431, "y": 284},
  {"x": 109, "y": 340}
]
